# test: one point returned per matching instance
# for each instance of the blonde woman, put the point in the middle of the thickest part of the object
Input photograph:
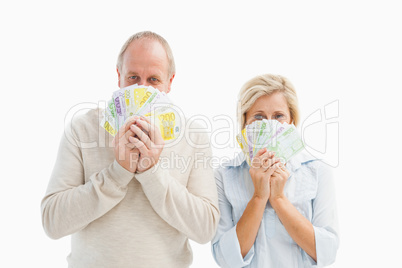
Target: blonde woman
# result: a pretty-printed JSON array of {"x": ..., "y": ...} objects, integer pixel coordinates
[{"x": 274, "y": 215}]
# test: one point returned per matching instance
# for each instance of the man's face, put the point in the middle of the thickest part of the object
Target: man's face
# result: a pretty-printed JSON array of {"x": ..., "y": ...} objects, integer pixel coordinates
[{"x": 145, "y": 63}]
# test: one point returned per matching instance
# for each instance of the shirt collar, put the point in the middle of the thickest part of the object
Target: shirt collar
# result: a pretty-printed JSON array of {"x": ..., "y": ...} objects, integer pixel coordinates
[
  {"x": 236, "y": 161},
  {"x": 299, "y": 159}
]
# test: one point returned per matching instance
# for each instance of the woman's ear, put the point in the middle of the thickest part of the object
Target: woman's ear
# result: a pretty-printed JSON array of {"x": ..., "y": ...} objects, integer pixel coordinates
[{"x": 291, "y": 119}]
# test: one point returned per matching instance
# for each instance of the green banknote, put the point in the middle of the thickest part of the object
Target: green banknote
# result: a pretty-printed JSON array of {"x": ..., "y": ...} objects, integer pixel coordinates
[{"x": 283, "y": 139}]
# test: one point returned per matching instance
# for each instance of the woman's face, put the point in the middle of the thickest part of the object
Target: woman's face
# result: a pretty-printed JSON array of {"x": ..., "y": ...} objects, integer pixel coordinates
[{"x": 272, "y": 106}]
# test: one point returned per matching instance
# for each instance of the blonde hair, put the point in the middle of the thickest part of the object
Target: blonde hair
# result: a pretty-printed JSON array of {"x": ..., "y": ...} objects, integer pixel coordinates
[
  {"x": 152, "y": 36},
  {"x": 266, "y": 84}
]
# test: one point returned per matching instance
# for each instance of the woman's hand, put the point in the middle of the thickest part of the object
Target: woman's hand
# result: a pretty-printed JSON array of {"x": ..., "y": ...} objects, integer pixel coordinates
[
  {"x": 298, "y": 227},
  {"x": 263, "y": 165},
  {"x": 278, "y": 181}
]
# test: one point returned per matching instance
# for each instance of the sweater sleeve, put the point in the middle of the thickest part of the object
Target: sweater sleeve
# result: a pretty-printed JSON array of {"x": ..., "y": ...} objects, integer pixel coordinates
[
  {"x": 192, "y": 210},
  {"x": 70, "y": 203}
]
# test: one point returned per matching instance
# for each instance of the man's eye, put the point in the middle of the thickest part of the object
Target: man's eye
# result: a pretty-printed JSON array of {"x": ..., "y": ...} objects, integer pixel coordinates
[
  {"x": 153, "y": 79},
  {"x": 134, "y": 77}
]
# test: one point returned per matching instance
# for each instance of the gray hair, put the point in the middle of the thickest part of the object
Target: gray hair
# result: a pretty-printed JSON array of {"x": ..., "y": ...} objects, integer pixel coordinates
[{"x": 152, "y": 36}]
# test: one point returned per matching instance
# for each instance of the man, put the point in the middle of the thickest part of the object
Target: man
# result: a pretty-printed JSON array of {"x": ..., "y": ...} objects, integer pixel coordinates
[{"x": 120, "y": 207}]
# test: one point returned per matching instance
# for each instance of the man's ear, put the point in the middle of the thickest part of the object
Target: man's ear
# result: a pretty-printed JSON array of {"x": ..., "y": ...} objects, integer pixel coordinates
[
  {"x": 118, "y": 76},
  {"x": 170, "y": 83}
]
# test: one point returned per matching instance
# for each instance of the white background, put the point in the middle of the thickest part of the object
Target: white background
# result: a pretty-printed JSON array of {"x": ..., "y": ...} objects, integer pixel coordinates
[{"x": 57, "y": 55}]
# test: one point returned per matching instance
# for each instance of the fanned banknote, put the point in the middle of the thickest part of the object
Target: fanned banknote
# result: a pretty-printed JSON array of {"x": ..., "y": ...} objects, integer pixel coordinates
[
  {"x": 144, "y": 101},
  {"x": 283, "y": 139},
  {"x": 167, "y": 119}
]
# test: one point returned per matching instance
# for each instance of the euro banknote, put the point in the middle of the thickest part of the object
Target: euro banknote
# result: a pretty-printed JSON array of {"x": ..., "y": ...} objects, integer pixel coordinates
[
  {"x": 281, "y": 138},
  {"x": 143, "y": 101}
]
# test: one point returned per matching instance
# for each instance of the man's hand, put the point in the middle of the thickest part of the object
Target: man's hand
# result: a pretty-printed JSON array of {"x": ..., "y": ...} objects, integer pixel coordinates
[
  {"x": 125, "y": 152},
  {"x": 150, "y": 145}
]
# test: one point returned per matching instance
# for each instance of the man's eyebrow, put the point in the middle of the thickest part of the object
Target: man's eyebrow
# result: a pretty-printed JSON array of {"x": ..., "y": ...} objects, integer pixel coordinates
[
  {"x": 155, "y": 76},
  {"x": 131, "y": 73}
]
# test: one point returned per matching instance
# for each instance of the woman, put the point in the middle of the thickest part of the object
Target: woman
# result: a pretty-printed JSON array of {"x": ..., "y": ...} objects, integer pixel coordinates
[{"x": 274, "y": 215}]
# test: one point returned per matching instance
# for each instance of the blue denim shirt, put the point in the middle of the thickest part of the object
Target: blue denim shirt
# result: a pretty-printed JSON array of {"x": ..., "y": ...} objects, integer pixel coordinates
[{"x": 310, "y": 188}]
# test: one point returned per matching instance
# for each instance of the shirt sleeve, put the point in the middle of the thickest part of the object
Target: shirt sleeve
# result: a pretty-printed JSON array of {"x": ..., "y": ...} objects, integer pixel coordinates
[
  {"x": 70, "y": 203},
  {"x": 325, "y": 219},
  {"x": 192, "y": 210},
  {"x": 225, "y": 245}
]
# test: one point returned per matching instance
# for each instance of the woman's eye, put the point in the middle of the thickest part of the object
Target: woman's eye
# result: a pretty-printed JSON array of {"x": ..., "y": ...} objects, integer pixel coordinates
[
  {"x": 279, "y": 116},
  {"x": 259, "y": 117}
]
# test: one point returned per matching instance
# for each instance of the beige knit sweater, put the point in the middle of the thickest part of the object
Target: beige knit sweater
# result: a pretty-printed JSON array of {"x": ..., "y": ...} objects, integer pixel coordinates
[{"x": 120, "y": 219}]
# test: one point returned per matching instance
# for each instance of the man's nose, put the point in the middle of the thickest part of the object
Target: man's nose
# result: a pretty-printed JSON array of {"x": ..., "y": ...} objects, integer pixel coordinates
[{"x": 146, "y": 83}]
